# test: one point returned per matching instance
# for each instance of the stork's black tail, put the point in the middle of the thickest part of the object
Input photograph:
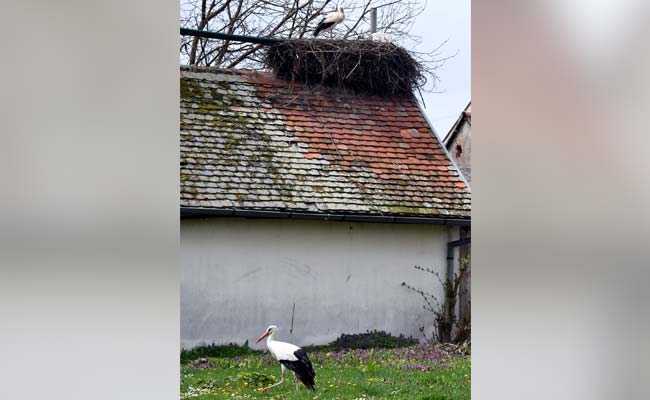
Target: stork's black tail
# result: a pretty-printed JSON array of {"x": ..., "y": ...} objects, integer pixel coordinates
[{"x": 303, "y": 368}]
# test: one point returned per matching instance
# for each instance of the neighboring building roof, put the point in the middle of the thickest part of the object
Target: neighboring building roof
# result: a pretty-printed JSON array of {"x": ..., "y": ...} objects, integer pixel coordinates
[
  {"x": 464, "y": 117},
  {"x": 253, "y": 142}
]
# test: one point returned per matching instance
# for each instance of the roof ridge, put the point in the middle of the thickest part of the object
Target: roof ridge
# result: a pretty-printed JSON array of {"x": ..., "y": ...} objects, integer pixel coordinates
[{"x": 230, "y": 71}]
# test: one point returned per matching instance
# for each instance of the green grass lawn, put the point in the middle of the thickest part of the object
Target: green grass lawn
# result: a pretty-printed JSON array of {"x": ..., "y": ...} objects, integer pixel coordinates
[{"x": 421, "y": 372}]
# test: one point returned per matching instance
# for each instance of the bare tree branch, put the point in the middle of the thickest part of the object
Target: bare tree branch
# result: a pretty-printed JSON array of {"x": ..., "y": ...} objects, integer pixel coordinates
[{"x": 293, "y": 19}]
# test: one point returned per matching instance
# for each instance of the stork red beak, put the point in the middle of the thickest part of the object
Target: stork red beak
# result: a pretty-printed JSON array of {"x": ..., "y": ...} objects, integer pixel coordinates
[{"x": 265, "y": 334}]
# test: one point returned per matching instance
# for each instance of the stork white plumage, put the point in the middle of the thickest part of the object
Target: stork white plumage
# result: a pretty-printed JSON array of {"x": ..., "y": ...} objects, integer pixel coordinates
[
  {"x": 291, "y": 357},
  {"x": 380, "y": 37},
  {"x": 330, "y": 21}
]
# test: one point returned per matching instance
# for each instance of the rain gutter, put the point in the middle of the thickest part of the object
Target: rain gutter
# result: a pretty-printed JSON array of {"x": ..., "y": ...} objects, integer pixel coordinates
[{"x": 197, "y": 212}]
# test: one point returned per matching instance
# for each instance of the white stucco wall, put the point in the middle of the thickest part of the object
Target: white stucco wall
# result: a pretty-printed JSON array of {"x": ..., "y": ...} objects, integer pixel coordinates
[{"x": 238, "y": 276}]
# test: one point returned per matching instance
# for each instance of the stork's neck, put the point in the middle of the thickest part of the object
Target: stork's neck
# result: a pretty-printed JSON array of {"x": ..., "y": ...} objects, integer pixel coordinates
[{"x": 270, "y": 338}]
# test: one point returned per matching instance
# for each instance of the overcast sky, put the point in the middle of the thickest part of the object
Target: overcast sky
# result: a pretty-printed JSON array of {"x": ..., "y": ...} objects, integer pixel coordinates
[{"x": 442, "y": 20}]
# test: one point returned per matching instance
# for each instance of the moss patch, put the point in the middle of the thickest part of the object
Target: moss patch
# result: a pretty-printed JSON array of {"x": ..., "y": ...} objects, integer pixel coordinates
[
  {"x": 405, "y": 210},
  {"x": 190, "y": 88},
  {"x": 242, "y": 140}
]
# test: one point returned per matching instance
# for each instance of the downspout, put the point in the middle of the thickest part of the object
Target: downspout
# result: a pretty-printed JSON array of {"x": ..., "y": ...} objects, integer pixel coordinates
[
  {"x": 450, "y": 255},
  {"x": 449, "y": 312}
]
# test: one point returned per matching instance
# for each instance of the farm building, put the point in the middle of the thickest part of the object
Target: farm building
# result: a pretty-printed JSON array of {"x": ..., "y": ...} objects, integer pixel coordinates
[
  {"x": 310, "y": 196},
  {"x": 458, "y": 142}
]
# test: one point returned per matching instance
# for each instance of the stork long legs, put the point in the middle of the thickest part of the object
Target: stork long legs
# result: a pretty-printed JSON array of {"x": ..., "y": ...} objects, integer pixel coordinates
[
  {"x": 295, "y": 379},
  {"x": 276, "y": 384}
]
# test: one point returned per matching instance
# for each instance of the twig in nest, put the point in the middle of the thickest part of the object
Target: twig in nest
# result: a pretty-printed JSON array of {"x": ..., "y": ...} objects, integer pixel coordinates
[{"x": 364, "y": 66}]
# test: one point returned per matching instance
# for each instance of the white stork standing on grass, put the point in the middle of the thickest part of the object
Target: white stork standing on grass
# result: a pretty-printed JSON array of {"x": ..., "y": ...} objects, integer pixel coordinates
[
  {"x": 330, "y": 21},
  {"x": 290, "y": 357}
]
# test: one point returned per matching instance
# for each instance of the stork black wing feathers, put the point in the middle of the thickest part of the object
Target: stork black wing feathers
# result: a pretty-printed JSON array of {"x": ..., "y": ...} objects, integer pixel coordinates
[
  {"x": 322, "y": 25},
  {"x": 302, "y": 367}
]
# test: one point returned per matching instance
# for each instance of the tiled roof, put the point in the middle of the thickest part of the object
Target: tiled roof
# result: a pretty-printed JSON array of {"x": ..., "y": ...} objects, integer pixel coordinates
[
  {"x": 253, "y": 142},
  {"x": 465, "y": 116}
]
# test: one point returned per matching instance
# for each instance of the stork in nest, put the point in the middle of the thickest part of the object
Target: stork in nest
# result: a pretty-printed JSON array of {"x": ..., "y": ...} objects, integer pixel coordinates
[{"x": 330, "y": 21}]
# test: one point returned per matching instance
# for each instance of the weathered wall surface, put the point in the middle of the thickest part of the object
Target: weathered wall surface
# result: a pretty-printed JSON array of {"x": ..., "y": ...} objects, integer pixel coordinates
[
  {"x": 463, "y": 158},
  {"x": 238, "y": 276}
]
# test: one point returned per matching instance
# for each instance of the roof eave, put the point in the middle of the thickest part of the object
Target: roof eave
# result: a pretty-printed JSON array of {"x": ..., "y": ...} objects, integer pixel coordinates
[
  {"x": 199, "y": 212},
  {"x": 451, "y": 134}
]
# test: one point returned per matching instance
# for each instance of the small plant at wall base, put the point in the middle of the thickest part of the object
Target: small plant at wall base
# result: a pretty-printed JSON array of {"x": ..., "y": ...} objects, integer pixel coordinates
[
  {"x": 445, "y": 319},
  {"x": 464, "y": 334},
  {"x": 215, "y": 350},
  {"x": 368, "y": 340}
]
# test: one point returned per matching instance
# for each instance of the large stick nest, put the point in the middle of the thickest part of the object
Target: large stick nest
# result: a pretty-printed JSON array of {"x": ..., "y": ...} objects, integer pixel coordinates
[{"x": 364, "y": 66}]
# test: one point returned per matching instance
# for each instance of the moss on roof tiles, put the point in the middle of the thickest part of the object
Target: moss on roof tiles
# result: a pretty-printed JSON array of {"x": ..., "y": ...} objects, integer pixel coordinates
[
  {"x": 230, "y": 144},
  {"x": 190, "y": 88}
]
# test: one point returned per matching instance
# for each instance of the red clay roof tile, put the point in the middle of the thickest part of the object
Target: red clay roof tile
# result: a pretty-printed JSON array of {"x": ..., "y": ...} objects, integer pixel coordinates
[{"x": 249, "y": 140}]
